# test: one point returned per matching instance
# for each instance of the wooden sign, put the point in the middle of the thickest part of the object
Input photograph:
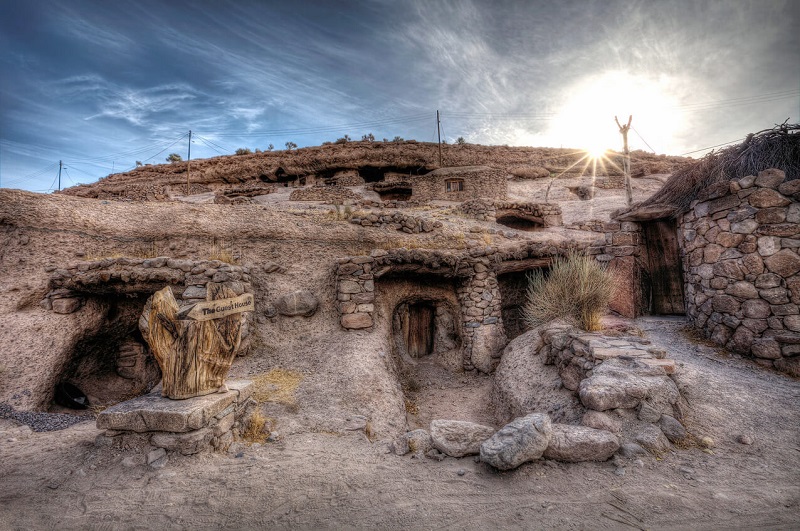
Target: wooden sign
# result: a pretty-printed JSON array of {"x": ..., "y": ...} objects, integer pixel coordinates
[{"x": 203, "y": 311}]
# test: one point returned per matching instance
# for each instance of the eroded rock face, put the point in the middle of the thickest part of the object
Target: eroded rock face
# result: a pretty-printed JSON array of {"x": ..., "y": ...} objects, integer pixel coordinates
[
  {"x": 458, "y": 438},
  {"x": 521, "y": 440},
  {"x": 579, "y": 443}
]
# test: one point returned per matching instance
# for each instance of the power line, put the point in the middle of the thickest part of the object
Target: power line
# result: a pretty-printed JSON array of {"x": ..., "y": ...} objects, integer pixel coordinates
[
  {"x": 643, "y": 140},
  {"x": 712, "y": 147}
]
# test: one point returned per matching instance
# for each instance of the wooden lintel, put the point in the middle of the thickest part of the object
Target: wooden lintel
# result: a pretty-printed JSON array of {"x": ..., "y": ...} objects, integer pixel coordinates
[{"x": 513, "y": 266}]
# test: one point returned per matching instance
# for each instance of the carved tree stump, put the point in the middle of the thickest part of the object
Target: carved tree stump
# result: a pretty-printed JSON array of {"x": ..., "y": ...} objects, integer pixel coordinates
[{"x": 194, "y": 356}]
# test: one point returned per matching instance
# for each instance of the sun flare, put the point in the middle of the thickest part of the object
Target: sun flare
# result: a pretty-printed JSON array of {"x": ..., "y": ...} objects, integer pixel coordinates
[{"x": 586, "y": 119}]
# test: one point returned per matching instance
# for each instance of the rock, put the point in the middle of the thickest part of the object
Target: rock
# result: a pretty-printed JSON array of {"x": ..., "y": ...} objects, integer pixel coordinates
[
  {"x": 673, "y": 429},
  {"x": 766, "y": 198},
  {"x": 784, "y": 263},
  {"x": 790, "y": 187},
  {"x": 521, "y": 440},
  {"x": 648, "y": 413},
  {"x": 768, "y": 349},
  {"x": 579, "y": 443},
  {"x": 299, "y": 302},
  {"x": 744, "y": 438},
  {"x": 132, "y": 460},
  {"x": 742, "y": 290},
  {"x": 458, "y": 438},
  {"x": 157, "y": 458},
  {"x": 624, "y": 383},
  {"x": 707, "y": 442},
  {"x": 602, "y": 421},
  {"x": 523, "y": 383},
  {"x": 631, "y": 450},
  {"x": 67, "y": 305},
  {"x": 419, "y": 441},
  {"x": 770, "y": 178},
  {"x": 790, "y": 366},
  {"x": 435, "y": 454},
  {"x": 653, "y": 439},
  {"x": 756, "y": 309}
]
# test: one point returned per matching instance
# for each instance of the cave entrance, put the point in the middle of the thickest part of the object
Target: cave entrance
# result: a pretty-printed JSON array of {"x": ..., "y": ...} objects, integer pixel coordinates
[
  {"x": 520, "y": 222},
  {"x": 419, "y": 334},
  {"x": 512, "y": 281},
  {"x": 112, "y": 363}
]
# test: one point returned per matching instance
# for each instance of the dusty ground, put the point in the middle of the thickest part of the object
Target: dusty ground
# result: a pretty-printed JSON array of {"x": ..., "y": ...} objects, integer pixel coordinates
[{"x": 317, "y": 480}]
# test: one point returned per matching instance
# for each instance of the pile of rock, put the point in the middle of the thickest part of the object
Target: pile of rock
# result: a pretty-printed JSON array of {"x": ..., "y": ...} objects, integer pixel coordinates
[
  {"x": 152, "y": 426},
  {"x": 367, "y": 203},
  {"x": 479, "y": 209},
  {"x": 396, "y": 221},
  {"x": 328, "y": 194},
  {"x": 523, "y": 439},
  {"x": 742, "y": 267}
]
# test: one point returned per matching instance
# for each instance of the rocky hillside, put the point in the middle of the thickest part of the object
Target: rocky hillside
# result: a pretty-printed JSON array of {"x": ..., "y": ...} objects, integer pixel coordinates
[{"x": 256, "y": 173}]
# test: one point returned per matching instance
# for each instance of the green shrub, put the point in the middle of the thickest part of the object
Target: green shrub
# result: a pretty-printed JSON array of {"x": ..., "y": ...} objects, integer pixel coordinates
[
  {"x": 174, "y": 157},
  {"x": 577, "y": 289},
  {"x": 243, "y": 151}
]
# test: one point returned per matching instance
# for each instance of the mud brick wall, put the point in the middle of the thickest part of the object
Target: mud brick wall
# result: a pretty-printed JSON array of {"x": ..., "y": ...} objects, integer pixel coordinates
[{"x": 740, "y": 245}]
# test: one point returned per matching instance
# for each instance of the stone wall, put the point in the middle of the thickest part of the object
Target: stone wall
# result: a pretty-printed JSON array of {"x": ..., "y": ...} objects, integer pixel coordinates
[
  {"x": 618, "y": 246},
  {"x": 396, "y": 221},
  {"x": 475, "y": 271},
  {"x": 329, "y": 194},
  {"x": 549, "y": 213},
  {"x": 740, "y": 245},
  {"x": 479, "y": 181}
]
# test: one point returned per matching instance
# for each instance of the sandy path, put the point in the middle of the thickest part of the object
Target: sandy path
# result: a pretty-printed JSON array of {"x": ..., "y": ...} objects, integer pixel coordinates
[{"x": 315, "y": 480}]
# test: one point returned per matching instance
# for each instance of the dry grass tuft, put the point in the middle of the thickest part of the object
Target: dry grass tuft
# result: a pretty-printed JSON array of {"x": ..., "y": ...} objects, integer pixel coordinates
[
  {"x": 577, "y": 289},
  {"x": 255, "y": 432},
  {"x": 220, "y": 252},
  {"x": 277, "y": 385}
]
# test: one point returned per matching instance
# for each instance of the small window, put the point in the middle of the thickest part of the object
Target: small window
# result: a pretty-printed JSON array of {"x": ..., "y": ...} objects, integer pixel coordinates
[{"x": 454, "y": 185}]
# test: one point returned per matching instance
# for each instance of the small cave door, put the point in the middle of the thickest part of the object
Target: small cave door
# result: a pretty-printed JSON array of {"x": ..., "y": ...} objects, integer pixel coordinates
[{"x": 419, "y": 338}]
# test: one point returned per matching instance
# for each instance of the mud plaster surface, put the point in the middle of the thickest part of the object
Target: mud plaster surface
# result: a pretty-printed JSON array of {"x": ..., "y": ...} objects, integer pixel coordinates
[{"x": 318, "y": 480}]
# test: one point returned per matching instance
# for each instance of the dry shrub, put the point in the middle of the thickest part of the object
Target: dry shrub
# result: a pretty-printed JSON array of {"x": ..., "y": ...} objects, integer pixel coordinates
[
  {"x": 277, "y": 385},
  {"x": 577, "y": 289},
  {"x": 254, "y": 432}
]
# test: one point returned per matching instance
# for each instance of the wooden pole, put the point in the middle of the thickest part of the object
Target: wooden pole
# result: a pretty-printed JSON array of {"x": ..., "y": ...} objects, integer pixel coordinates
[
  {"x": 189, "y": 162},
  {"x": 626, "y": 158},
  {"x": 439, "y": 134}
]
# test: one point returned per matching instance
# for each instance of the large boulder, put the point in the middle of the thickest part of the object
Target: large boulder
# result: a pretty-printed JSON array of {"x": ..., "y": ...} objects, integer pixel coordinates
[
  {"x": 523, "y": 383},
  {"x": 299, "y": 302},
  {"x": 521, "y": 440},
  {"x": 579, "y": 443},
  {"x": 458, "y": 438}
]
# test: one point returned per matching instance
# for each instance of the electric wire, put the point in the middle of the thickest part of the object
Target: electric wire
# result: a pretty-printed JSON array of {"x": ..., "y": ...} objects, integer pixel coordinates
[{"x": 643, "y": 140}]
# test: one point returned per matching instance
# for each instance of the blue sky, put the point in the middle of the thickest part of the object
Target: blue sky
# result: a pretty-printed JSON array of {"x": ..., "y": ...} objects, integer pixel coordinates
[{"x": 102, "y": 84}]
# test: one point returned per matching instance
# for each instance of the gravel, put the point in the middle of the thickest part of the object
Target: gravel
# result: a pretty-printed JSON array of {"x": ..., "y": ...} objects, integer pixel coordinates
[{"x": 42, "y": 421}]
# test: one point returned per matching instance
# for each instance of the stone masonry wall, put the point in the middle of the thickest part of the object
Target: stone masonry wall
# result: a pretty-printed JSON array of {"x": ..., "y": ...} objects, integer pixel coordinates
[
  {"x": 397, "y": 221},
  {"x": 479, "y": 181},
  {"x": 740, "y": 257}
]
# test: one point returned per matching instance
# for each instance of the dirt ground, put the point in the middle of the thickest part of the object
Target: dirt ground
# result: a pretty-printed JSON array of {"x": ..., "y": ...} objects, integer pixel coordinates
[{"x": 61, "y": 480}]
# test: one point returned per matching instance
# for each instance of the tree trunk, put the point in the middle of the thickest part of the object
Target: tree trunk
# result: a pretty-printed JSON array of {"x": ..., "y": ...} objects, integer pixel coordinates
[{"x": 194, "y": 356}]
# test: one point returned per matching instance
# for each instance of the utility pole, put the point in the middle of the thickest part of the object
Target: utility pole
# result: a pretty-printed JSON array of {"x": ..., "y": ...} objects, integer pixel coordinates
[
  {"x": 439, "y": 134},
  {"x": 189, "y": 162},
  {"x": 626, "y": 157},
  {"x": 60, "y": 165}
]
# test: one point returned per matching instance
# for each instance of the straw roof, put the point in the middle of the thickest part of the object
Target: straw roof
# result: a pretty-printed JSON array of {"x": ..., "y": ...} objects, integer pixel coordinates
[{"x": 778, "y": 147}]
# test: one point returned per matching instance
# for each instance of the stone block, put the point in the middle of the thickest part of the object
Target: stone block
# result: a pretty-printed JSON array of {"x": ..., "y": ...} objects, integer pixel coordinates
[
  {"x": 523, "y": 439},
  {"x": 790, "y": 366},
  {"x": 768, "y": 245},
  {"x": 729, "y": 239},
  {"x": 774, "y": 295},
  {"x": 746, "y": 226},
  {"x": 356, "y": 321},
  {"x": 349, "y": 286},
  {"x": 771, "y": 215},
  {"x": 770, "y": 178},
  {"x": 742, "y": 290},
  {"x": 766, "y": 348},
  {"x": 152, "y": 412},
  {"x": 187, "y": 443}
]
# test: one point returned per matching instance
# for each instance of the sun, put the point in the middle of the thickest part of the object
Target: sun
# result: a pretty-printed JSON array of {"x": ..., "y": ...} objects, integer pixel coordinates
[{"x": 586, "y": 119}]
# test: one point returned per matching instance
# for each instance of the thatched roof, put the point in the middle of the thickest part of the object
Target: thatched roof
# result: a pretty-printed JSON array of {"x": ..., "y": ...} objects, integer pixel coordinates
[{"x": 772, "y": 148}]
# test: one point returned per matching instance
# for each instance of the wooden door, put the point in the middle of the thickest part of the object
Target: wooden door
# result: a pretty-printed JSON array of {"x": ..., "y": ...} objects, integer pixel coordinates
[
  {"x": 420, "y": 330},
  {"x": 664, "y": 267}
]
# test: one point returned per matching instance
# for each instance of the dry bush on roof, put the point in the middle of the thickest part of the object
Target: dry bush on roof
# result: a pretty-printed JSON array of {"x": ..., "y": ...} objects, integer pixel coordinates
[{"x": 577, "y": 289}]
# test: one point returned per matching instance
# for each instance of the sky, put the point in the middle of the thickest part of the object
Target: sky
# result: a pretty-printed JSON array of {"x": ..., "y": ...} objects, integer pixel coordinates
[{"x": 102, "y": 84}]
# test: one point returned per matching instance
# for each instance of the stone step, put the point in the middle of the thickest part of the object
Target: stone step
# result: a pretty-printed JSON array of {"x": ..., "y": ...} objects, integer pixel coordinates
[{"x": 666, "y": 364}]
